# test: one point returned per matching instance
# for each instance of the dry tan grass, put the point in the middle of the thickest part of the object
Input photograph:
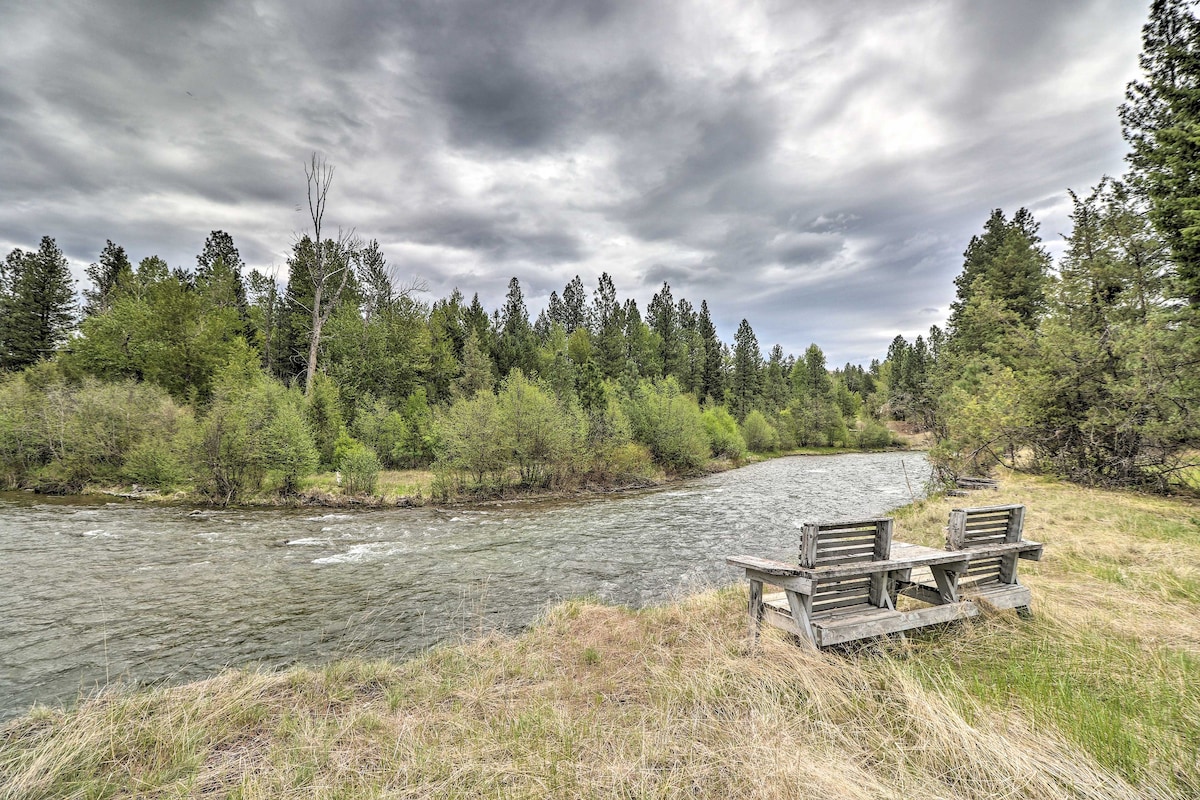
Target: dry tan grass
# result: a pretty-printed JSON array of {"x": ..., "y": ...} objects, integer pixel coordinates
[{"x": 599, "y": 701}]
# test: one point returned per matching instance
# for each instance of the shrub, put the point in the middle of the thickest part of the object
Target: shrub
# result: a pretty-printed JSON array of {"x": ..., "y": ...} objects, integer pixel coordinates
[
  {"x": 472, "y": 440},
  {"x": 669, "y": 423},
  {"x": 723, "y": 434},
  {"x": 761, "y": 436},
  {"x": 360, "y": 470}
]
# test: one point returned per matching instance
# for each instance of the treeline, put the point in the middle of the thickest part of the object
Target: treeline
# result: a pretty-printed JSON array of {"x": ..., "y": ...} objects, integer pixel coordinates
[{"x": 222, "y": 379}]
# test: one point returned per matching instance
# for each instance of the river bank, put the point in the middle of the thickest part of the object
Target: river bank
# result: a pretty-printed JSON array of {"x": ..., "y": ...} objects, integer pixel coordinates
[
  {"x": 417, "y": 488},
  {"x": 1097, "y": 696}
]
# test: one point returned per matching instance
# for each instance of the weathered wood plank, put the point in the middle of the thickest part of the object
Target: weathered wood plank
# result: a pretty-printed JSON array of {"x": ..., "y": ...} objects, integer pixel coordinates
[
  {"x": 792, "y": 582},
  {"x": 1001, "y": 595},
  {"x": 766, "y": 565},
  {"x": 756, "y": 607},
  {"x": 820, "y": 605},
  {"x": 987, "y": 509},
  {"x": 857, "y": 585},
  {"x": 861, "y": 558},
  {"x": 864, "y": 546},
  {"x": 884, "y": 621}
]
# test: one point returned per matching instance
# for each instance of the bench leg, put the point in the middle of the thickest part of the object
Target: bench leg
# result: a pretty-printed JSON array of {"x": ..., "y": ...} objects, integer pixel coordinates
[
  {"x": 800, "y": 607},
  {"x": 756, "y": 608}
]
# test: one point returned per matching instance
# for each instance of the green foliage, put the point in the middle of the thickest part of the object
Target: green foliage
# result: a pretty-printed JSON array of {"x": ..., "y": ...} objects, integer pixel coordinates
[
  {"x": 229, "y": 449},
  {"x": 608, "y": 438},
  {"x": 542, "y": 437},
  {"x": 37, "y": 305},
  {"x": 323, "y": 411},
  {"x": 760, "y": 435},
  {"x": 723, "y": 434},
  {"x": 289, "y": 442},
  {"x": 1004, "y": 268},
  {"x": 815, "y": 416},
  {"x": 871, "y": 434},
  {"x": 56, "y": 436},
  {"x": 111, "y": 276},
  {"x": 669, "y": 423},
  {"x": 384, "y": 354},
  {"x": 746, "y": 380},
  {"x": 469, "y": 436},
  {"x": 163, "y": 330},
  {"x": 1159, "y": 120},
  {"x": 389, "y": 368},
  {"x": 1111, "y": 394},
  {"x": 515, "y": 347},
  {"x": 359, "y": 467}
]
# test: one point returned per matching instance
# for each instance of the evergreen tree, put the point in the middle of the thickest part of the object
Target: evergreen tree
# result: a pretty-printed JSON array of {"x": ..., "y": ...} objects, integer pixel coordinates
[
  {"x": 1161, "y": 121},
  {"x": 110, "y": 274},
  {"x": 775, "y": 391},
  {"x": 379, "y": 293},
  {"x": 1006, "y": 266},
  {"x": 608, "y": 324},
  {"x": 713, "y": 381},
  {"x": 37, "y": 310},
  {"x": 475, "y": 320},
  {"x": 555, "y": 312},
  {"x": 663, "y": 319},
  {"x": 641, "y": 354},
  {"x": 574, "y": 306},
  {"x": 220, "y": 259},
  {"x": 515, "y": 347},
  {"x": 477, "y": 372},
  {"x": 1111, "y": 399},
  {"x": 745, "y": 382},
  {"x": 266, "y": 309}
]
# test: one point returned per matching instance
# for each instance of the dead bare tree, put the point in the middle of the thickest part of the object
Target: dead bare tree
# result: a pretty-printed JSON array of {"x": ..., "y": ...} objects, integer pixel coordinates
[{"x": 330, "y": 264}]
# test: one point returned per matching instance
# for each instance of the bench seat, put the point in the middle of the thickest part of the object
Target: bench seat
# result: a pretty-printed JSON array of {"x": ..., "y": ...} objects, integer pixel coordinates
[
  {"x": 861, "y": 621},
  {"x": 999, "y": 595}
]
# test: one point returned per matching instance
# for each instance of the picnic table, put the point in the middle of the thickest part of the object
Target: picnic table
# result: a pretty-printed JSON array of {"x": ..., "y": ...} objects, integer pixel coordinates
[{"x": 851, "y": 575}]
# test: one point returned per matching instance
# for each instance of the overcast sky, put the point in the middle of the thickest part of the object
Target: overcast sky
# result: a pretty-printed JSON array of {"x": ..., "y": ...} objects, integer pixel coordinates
[{"x": 815, "y": 167}]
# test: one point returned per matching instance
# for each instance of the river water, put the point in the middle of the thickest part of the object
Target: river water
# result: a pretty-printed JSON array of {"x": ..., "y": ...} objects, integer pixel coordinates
[{"x": 93, "y": 592}]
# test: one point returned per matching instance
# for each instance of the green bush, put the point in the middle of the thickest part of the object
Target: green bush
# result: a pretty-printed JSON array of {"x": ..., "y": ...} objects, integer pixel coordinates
[
  {"x": 669, "y": 423},
  {"x": 761, "y": 436},
  {"x": 360, "y": 470},
  {"x": 723, "y": 434},
  {"x": 871, "y": 434},
  {"x": 156, "y": 463}
]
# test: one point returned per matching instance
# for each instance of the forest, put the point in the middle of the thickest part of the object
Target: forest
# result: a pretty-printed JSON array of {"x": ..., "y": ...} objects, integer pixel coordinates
[{"x": 221, "y": 380}]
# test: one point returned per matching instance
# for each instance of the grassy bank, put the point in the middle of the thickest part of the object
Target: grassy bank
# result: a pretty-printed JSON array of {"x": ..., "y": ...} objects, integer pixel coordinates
[{"x": 1098, "y": 696}]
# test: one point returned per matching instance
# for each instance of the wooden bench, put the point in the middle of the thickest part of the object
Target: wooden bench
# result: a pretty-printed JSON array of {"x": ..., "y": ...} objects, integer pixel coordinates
[
  {"x": 991, "y": 538},
  {"x": 850, "y": 573},
  {"x": 845, "y": 585}
]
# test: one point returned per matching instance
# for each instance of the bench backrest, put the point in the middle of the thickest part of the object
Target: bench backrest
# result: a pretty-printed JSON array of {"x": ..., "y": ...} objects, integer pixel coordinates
[
  {"x": 975, "y": 527},
  {"x": 830, "y": 543}
]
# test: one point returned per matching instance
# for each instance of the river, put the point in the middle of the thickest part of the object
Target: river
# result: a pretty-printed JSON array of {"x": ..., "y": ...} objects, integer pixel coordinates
[{"x": 97, "y": 591}]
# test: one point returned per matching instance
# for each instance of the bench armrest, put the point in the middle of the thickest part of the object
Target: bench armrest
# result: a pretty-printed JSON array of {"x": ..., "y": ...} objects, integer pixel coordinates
[{"x": 765, "y": 565}]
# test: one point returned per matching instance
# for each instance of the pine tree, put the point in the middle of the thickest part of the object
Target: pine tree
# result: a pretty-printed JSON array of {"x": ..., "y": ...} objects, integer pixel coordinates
[
  {"x": 608, "y": 325},
  {"x": 745, "y": 382},
  {"x": 1002, "y": 284},
  {"x": 574, "y": 300},
  {"x": 219, "y": 255},
  {"x": 37, "y": 311},
  {"x": 111, "y": 274},
  {"x": 663, "y": 318},
  {"x": 712, "y": 384},
  {"x": 1161, "y": 121},
  {"x": 515, "y": 347}
]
